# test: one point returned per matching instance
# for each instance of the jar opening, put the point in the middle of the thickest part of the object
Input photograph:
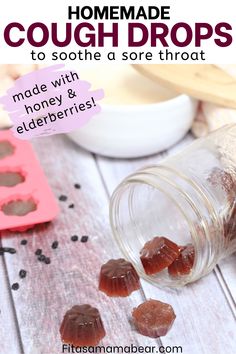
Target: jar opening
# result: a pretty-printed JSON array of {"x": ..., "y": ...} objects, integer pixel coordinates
[{"x": 143, "y": 208}]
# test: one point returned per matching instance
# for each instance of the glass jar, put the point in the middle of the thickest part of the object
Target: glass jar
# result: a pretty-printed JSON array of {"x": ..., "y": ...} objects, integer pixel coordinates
[{"x": 188, "y": 198}]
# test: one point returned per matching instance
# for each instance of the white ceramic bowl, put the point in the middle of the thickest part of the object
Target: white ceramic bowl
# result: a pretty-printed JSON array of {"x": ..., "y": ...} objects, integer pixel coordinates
[{"x": 137, "y": 130}]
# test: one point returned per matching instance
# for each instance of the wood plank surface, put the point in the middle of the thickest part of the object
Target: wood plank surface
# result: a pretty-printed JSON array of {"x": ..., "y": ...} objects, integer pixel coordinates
[
  {"x": 204, "y": 323},
  {"x": 72, "y": 277},
  {"x": 196, "y": 305},
  {"x": 9, "y": 335}
]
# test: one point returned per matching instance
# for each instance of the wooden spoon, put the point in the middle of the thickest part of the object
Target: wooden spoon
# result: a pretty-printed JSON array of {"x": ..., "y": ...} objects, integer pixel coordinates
[{"x": 206, "y": 82}]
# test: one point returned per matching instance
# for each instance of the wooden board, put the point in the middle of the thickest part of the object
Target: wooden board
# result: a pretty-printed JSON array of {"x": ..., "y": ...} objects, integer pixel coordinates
[
  {"x": 197, "y": 304},
  {"x": 206, "y": 82}
]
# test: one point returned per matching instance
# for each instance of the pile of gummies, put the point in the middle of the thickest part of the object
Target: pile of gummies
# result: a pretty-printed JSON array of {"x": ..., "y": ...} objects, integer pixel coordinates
[{"x": 82, "y": 324}]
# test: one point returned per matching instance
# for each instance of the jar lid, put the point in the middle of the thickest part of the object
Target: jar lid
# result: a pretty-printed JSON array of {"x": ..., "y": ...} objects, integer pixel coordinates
[{"x": 206, "y": 82}]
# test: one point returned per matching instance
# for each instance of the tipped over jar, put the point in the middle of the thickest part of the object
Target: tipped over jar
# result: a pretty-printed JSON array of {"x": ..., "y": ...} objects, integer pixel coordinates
[{"x": 189, "y": 198}]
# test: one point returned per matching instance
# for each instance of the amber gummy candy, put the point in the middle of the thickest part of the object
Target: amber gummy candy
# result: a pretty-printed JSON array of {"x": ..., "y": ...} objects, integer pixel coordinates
[
  {"x": 153, "y": 318},
  {"x": 118, "y": 278},
  {"x": 158, "y": 254},
  {"x": 82, "y": 326},
  {"x": 184, "y": 263}
]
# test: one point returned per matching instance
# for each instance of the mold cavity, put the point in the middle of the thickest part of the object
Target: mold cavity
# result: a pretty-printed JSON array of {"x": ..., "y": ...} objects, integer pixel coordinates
[
  {"x": 19, "y": 207},
  {"x": 10, "y": 179},
  {"x": 6, "y": 149}
]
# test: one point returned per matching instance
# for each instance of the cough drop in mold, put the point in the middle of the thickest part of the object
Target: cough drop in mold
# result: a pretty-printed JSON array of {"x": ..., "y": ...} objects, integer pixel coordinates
[
  {"x": 11, "y": 179},
  {"x": 19, "y": 207},
  {"x": 6, "y": 149}
]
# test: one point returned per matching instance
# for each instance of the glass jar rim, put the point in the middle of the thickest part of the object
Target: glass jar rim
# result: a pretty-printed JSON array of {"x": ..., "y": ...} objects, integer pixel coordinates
[{"x": 143, "y": 177}]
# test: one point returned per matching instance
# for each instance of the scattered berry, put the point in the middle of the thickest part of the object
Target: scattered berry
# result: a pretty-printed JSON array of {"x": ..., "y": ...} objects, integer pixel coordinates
[
  {"x": 47, "y": 260},
  {"x": 23, "y": 242},
  {"x": 38, "y": 252},
  {"x": 54, "y": 245},
  {"x": 71, "y": 206},
  {"x": 15, "y": 286},
  {"x": 84, "y": 238},
  {"x": 22, "y": 273},
  {"x": 41, "y": 258},
  {"x": 74, "y": 238},
  {"x": 63, "y": 198},
  {"x": 9, "y": 250},
  {"x": 77, "y": 185}
]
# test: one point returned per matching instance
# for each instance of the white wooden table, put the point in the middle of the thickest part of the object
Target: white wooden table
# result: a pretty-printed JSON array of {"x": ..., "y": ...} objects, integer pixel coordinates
[{"x": 30, "y": 317}]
